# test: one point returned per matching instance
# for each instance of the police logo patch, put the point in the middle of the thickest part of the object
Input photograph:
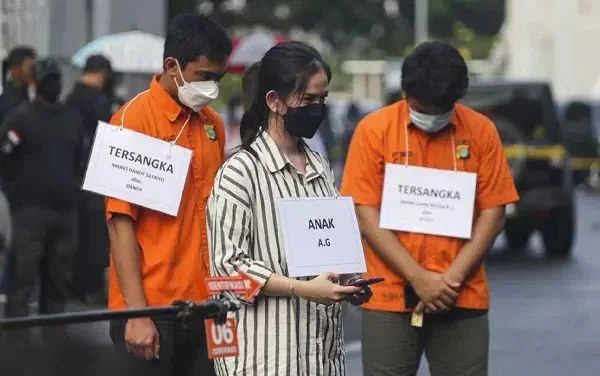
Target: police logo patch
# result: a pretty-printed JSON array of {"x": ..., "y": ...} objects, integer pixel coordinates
[
  {"x": 211, "y": 133},
  {"x": 462, "y": 151}
]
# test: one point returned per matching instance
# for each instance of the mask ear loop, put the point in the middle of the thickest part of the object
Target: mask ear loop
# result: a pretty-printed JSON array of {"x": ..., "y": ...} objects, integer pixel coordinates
[
  {"x": 453, "y": 149},
  {"x": 120, "y": 127},
  {"x": 406, "y": 149},
  {"x": 168, "y": 152}
]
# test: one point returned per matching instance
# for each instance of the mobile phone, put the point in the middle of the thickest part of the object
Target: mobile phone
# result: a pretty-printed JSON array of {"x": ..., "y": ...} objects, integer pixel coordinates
[{"x": 367, "y": 282}]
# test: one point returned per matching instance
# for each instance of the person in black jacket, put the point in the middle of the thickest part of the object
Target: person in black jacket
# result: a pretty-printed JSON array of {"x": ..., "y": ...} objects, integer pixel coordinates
[
  {"x": 17, "y": 78},
  {"x": 90, "y": 98},
  {"x": 44, "y": 141}
]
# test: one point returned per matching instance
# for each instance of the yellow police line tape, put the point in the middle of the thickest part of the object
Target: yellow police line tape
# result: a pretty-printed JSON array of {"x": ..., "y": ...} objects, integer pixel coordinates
[{"x": 547, "y": 152}]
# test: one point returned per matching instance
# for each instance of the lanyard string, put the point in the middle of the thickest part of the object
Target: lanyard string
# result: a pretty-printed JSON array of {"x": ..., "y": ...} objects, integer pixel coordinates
[
  {"x": 168, "y": 152},
  {"x": 406, "y": 146}
]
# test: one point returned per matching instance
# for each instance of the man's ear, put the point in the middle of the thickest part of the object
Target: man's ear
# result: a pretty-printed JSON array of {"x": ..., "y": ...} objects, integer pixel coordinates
[{"x": 170, "y": 66}]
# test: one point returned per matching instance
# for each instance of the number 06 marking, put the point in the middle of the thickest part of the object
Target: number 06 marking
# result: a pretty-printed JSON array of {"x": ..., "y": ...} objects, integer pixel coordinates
[
  {"x": 221, "y": 340},
  {"x": 222, "y": 333}
]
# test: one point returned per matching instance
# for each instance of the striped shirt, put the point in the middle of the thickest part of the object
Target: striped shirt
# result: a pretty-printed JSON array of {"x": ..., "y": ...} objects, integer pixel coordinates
[{"x": 278, "y": 336}]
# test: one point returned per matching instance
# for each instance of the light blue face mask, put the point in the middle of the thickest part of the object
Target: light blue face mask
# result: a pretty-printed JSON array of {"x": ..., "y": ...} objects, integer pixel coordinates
[{"x": 429, "y": 123}]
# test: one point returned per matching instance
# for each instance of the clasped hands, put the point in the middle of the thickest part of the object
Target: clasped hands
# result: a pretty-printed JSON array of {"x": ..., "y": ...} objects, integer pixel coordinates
[{"x": 437, "y": 292}]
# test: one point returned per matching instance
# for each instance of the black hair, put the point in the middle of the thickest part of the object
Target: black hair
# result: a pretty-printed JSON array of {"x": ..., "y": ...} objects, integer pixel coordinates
[
  {"x": 286, "y": 68},
  {"x": 435, "y": 74},
  {"x": 250, "y": 84},
  {"x": 15, "y": 58},
  {"x": 192, "y": 35}
]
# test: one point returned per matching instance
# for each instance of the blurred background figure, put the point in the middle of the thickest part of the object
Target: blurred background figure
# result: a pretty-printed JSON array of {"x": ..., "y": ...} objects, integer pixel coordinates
[
  {"x": 17, "y": 78},
  {"x": 17, "y": 82},
  {"x": 46, "y": 141},
  {"x": 91, "y": 97}
]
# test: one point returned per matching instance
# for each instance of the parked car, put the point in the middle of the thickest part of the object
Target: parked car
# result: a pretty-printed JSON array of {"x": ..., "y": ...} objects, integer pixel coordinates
[
  {"x": 581, "y": 132},
  {"x": 527, "y": 120}
]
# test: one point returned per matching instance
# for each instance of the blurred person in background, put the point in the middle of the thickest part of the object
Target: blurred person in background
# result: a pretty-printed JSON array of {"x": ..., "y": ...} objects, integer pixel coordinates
[
  {"x": 17, "y": 82},
  {"x": 89, "y": 98},
  {"x": 45, "y": 141},
  {"x": 250, "y": 84},
  {"x": 440, "y": 275},
  {"x": 155, "y": 258},
  {"x": 17, "y": 78}
]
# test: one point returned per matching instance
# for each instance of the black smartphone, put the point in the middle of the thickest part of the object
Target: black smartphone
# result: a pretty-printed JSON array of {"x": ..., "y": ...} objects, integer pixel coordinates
[
  {"x": 410, "y": 297},
  {"x": 366, "y": 282}
]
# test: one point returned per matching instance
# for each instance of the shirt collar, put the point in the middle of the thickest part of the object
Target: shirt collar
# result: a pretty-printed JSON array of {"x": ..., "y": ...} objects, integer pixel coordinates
[
  {"x": 165, "y": 101},
  {"x": 276, "y": 160}
]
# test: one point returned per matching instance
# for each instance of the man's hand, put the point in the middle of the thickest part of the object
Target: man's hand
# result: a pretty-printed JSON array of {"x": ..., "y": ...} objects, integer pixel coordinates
[
  {"x": 436, "y": 293},
  {"x": 141, "y": 338}
]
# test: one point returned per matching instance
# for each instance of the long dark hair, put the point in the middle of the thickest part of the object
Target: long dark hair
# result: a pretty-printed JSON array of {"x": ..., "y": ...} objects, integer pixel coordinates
[{"x": 286, "y": 68}]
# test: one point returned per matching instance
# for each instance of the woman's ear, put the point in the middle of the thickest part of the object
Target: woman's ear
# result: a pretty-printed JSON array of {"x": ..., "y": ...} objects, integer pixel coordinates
[{"x": 273, "y": 101}]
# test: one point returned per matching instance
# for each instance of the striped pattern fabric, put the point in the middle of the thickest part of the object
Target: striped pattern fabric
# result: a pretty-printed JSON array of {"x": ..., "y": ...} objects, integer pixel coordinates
[{"x": 278, "y": 336}]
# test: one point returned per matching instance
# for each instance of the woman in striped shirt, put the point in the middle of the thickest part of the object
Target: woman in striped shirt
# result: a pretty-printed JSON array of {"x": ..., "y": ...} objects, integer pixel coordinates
[{"x": 294, "y": 326}]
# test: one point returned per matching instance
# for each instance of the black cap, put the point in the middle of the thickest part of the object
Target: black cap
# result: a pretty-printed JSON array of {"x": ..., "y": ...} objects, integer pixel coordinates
[
  {"x": 45, "y": 68},
  {"x": 96, "y": 63}
]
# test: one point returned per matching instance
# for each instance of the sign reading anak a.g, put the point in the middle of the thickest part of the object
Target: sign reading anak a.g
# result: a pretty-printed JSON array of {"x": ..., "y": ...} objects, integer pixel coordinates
[
  {"x": 137, "y": 168},
  {"x": 428, "y": 201},
  {"x": 321, "y": 235}
]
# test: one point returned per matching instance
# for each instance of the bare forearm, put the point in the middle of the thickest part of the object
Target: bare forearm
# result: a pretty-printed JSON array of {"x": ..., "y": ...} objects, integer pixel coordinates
[
  {"x": 279, "y": 285},
  {"x": 386, "y": 244},
  {"x": 487, "y": 227},
  {"x": 126, "y": 255}
]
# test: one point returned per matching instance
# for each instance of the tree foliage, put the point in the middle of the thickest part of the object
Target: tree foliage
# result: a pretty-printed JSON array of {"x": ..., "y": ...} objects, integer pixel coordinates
[{"x": 357, "y": 27}]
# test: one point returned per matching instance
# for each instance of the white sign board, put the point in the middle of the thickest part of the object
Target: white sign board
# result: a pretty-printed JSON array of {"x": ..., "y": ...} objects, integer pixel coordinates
[
  {"x": 137, "y": 168},
  {"x": 428, "y": 201},
  {"x": 321, "y": 235}
]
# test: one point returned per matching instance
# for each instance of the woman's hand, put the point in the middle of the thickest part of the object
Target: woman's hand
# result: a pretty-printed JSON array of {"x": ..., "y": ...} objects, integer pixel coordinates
[{"x": 324, "y": 289}]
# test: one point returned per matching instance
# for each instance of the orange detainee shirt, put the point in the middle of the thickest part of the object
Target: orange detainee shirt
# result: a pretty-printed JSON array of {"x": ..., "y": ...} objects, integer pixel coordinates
[
  {"x": 380, "y": 139},
  {"x": 173, "y": 250}
]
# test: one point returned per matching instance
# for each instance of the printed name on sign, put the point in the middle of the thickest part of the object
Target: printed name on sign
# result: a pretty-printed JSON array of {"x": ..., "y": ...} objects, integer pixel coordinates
[
  {"x": 221, "y": 340},
  {"x": 320, "y": 234}
]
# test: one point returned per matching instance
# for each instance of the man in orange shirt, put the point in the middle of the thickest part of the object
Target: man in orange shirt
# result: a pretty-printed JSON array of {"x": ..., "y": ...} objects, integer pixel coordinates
[
  {"x": 155, "y": 258},
  {"x": 442, "y": 275}
]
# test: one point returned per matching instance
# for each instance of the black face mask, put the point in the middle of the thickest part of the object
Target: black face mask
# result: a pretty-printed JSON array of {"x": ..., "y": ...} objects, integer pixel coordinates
[{"x": 304, "y": 121}]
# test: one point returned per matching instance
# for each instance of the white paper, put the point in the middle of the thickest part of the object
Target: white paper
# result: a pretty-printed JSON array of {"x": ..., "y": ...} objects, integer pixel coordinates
[
  {"x": 428, "y": 201},
  {"x": 321, "y": 235},
  {"x": 136, "y": 168}
]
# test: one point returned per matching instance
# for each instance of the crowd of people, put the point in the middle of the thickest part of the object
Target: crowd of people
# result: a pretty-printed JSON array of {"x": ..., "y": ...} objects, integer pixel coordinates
[
  {"x": 58, "y": 238},
  {"x": 434, "y": 296}
]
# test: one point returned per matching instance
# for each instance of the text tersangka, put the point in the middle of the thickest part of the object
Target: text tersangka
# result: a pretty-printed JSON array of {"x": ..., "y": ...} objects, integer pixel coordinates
[
  {"x": 141, "y": 159},
  {"x": 429, "y": 192}
]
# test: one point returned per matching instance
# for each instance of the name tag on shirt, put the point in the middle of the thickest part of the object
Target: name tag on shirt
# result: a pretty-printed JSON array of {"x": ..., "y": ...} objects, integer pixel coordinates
[
  {"x": 321, "y": 235},
  {"x": 137, "y": 168},
  {"x": 428, "y": 201}
]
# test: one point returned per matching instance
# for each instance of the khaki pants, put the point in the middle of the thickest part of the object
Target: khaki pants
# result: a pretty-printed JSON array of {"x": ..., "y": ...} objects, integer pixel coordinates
[{"x": 455, "y": 344}]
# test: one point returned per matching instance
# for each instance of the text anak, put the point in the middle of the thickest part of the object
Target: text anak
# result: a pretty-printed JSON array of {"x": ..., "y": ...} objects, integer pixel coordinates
[
  {"x": 141, "y": 159},
  {"x": 429, "y": 192},
  {"x": 321, "y": 224}
]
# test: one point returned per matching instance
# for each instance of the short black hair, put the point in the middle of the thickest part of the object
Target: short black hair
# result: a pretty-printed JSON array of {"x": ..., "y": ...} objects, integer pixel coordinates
[
  {"x": 191, "y": 35},
  {"x": 17, "y": 56},
  {"x": 97, "y": 63},
  {"x": 435, "y": 74}
]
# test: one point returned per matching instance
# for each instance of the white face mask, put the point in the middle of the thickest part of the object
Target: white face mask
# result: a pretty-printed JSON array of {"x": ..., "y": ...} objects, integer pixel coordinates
[
  {"x": 429, "y": 123},
  {"x": 196, "y": 95}
]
